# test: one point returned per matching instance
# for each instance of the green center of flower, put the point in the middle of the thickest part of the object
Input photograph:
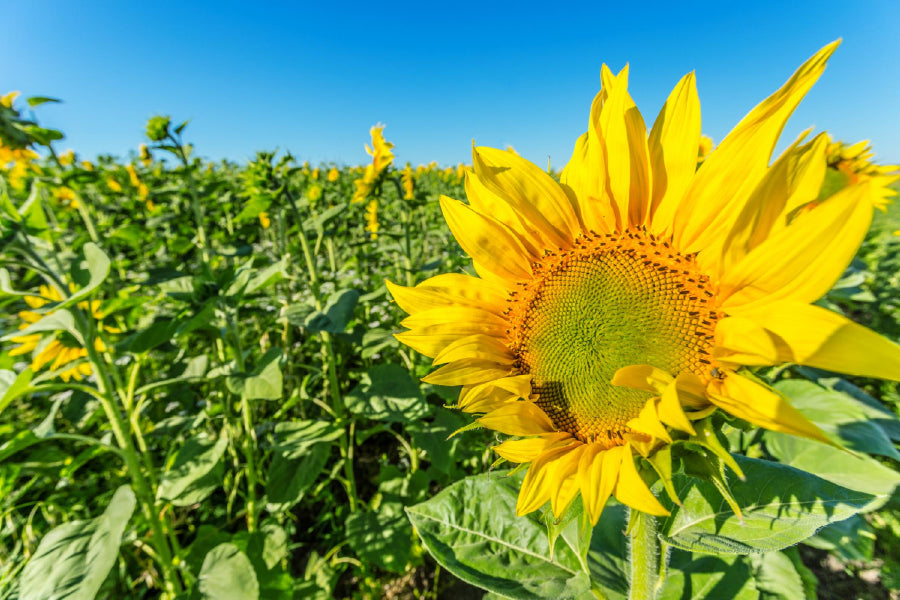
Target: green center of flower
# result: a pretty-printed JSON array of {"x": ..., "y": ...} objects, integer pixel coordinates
[{"x": 611, "y": 302}]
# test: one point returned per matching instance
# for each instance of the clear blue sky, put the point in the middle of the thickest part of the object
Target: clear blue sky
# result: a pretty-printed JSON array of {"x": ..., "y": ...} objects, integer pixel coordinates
[{"x": 312, "y": 79}]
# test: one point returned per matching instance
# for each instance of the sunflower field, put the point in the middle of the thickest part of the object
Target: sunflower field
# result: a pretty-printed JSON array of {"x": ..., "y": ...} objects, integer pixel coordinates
[{"x": 217, "y": 380}]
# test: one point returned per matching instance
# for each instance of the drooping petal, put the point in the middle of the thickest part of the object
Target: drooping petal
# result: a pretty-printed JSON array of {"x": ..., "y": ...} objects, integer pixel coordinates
[
  {"x": 563, "y": 479},
  {"x": 631, "y": 489},
  {"x": 536, "y": 488},
  {"x": 762, "y": 406},
  {"x": 732, "y": 171},
  {"x": 810, "y": 335},
  {"x": 648, "y": 422},
  {"x": 490, "y": 243},
  {"x": 673, "y": 146},
  {"x": 518, "y": 418},
  {"x": 804, "y": 260},
  {"x": 598, "y": 473}
]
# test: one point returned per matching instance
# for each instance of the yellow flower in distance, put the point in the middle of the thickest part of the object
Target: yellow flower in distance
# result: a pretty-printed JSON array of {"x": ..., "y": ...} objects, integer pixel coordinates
[
  {"x": 406, "y": 178},
  {"x": 264, "y": 221},
  {"x": 67, "y": 157},
  {"x": 380, "y": 150},
  {"x": 8, "y": 99},
  {"x": 613, "y": 311},
  {"x": 856, "y": 163},
  {"x": 333, "y": 174},
  {"x": 61, "y": 350},
  {"x": 706, "y": 146},
  {"x": 372, "y": 219}
]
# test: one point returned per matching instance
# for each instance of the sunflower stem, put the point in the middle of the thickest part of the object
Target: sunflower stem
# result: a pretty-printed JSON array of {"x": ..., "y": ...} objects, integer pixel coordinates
[{"x": 643, "y": 554}]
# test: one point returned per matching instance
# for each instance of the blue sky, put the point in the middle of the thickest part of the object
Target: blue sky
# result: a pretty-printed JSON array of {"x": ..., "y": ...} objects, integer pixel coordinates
[{"x": 312, "y": 79}]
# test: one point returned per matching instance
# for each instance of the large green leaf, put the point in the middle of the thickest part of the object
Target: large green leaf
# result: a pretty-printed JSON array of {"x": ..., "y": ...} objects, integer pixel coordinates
[
  {"x": 265, "y": 382},
  {"x": 607, "y": 556},
  {"x": 472, "y": 530},
  {"x": 781, "y": 506},
  {"x": 88, "y": 274},
  {"x": 857, "y": 425},
  {"x": 704, "y": 577},
  {"x": 292, "y": 473},
  {"x": 196, "y": 471},
  {"x": 380, "y": 539},
  {"x": 336, "y": 314},
  {"x": 777, "y": 578},
  {"x": 387, "y": 393},
  {"x": 73, "y": 560},
  {"x": 12, "y": 386},
  {"x": 854, "y": 471},
  {"x": 60, "y": 320},
  {"x": 227, "y": 574}
]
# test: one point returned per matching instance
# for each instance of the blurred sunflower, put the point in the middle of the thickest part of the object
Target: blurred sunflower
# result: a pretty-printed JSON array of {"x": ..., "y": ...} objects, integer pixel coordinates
[
  {"x": 63, "y": 349},
  {"x": 612, "y": 312},
  {"x": 856, "y": 164},
  {"x": 382, "y": 157}
]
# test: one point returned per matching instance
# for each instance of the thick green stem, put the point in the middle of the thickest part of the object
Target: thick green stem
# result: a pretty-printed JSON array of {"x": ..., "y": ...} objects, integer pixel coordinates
[
  {"x": 643, "y": 554},
  {"x": 142, "y": 489}
]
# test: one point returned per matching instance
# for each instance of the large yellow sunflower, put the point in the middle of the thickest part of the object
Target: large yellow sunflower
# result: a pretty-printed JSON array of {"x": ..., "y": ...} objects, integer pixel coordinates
[{"x": 613, "y": 311}]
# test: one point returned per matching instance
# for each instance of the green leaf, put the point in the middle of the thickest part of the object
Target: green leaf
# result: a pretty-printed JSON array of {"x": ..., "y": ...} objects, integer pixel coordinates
[
  {"x": 196, "y": 471},
  {"x": 88, "y": 274},
  {"x": 60, "y": 320},
  {"x": 703, "y": 577},
  {"x": 387, "y": 393},
  {"x": 34, "y": 101},
  {"x": 73, "y": 560},
  {"x": 384, "y": 540},
  {"x": 265, "y": 277},
  {"x": 781, "y": 505},
  {"x": 336, "y": 315},
  {"x": 777, "y": 578},
  {"x": 266, "y": 381},
  {"x": 852, "y": 539},
  {"x": 297, "y": 436},
  {"x": 228, "y": 575},
  {"x": 471, "y": 529},
  {"x": 154, "y": 335},
  {"x": 854, "y": 471},
  {"x": 291, "y": 474},
  {"x": 12, "y": 386},
  {"x": 607, "y": 556},
  {"x": 853, "y": 423}
]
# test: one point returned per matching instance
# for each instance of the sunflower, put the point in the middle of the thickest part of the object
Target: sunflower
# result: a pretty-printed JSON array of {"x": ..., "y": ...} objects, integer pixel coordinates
[
  {"x": 61, "y": 350},
  {"x": 613, "y": 312}
]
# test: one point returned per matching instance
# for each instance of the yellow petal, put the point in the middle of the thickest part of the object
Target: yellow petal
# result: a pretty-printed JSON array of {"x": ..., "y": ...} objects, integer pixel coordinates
[
  {"x": 487, "y": 396},
  {"x": 627, "y": 157},
  {"x": 479, "y": 346},
  {"x": 485, "y": 201},
  {"x": 643, "y": 377},
  {"x": 533, "y": 195},
  {"x": 528, "y": 449},
  {"x": 648, "y": 422},
  {"x": 518, "y": 418},
  {"x": 467, "y": 371},
  {"x": 670, "y": 411},
  {"x": 490, "y": 243},
  {"x": 563, "y": 479},
  {"x": 805, "y": 259},
  {"x": 731, "y": 172},
  {"x": 598, "y": 473},
  {"x": 585, "y": 177},
  {"x": 448, "y": 290},
  {"x": 673, "y": 145},
  {"x": 536, "y": 488},
  {"x": 454, "y": 314},
  {"x": 813, "y": 336},
  {"x": 762, "y": 406},
  {"x": 794, "y": 179},
  {"x": 631, "y": 489}
]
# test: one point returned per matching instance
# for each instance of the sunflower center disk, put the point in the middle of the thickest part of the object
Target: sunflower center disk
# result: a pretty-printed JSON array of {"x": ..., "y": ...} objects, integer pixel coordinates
[{"x": 609, "y": 302}]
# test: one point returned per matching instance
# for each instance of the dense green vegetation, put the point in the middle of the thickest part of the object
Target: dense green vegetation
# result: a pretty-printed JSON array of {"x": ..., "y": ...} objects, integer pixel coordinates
[{"x": 209, "y": 401}]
